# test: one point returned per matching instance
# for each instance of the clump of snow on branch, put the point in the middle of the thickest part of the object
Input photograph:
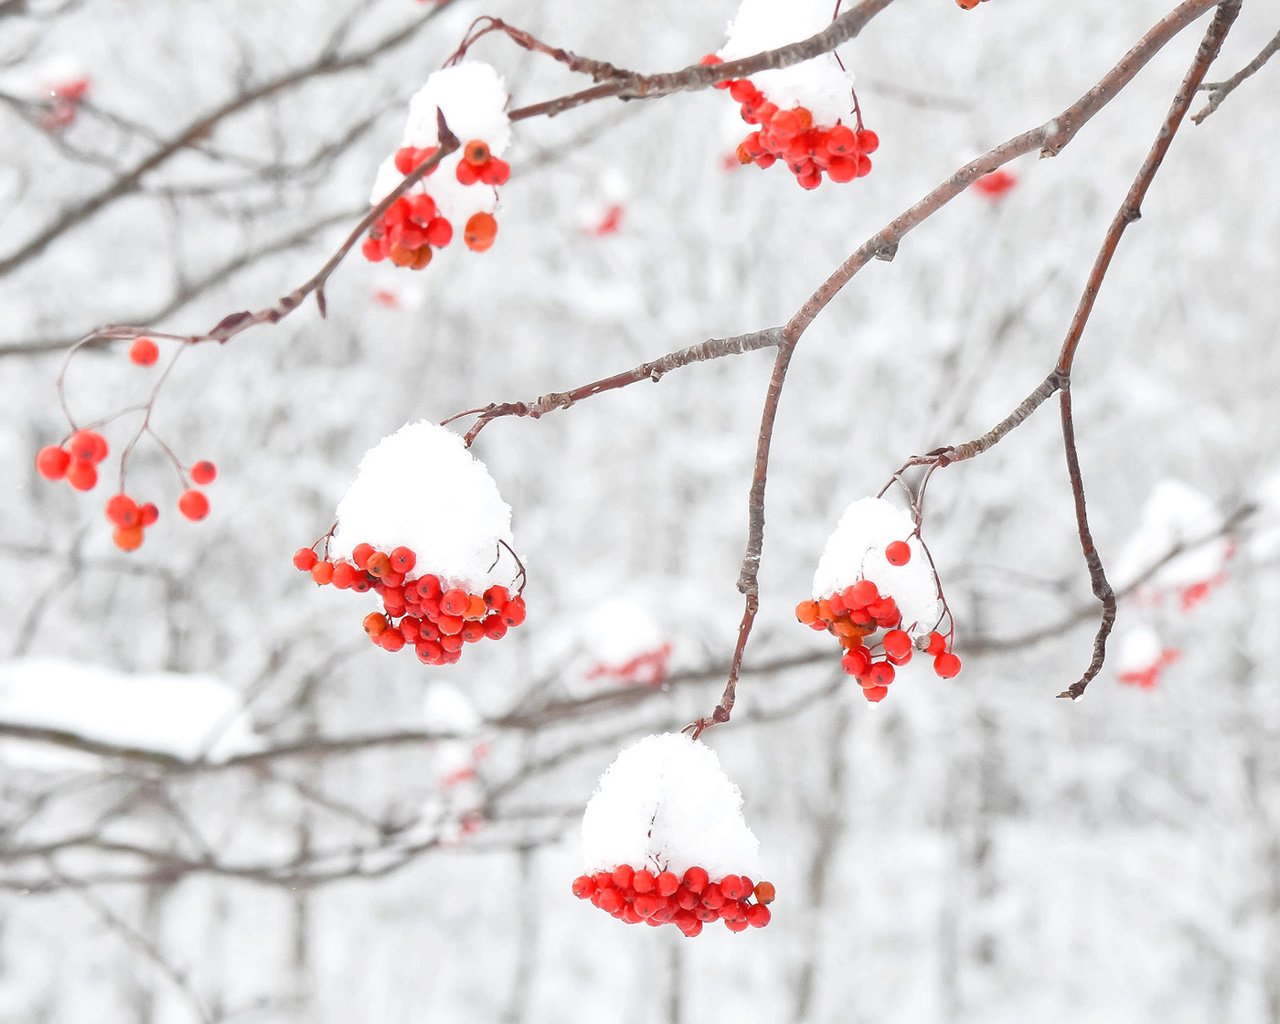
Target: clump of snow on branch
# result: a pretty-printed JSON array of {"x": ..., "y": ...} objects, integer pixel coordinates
[
  {"x": 818, "y": 84},
  {"x": 186, "y": 716},
  {"x": 1175, "y": 515},
  {"x": 856, "y": 550},
  {"x": 421, "y": 488},
  {"x": 666, "y": 804},
  {"x": 473, "y": 100}
]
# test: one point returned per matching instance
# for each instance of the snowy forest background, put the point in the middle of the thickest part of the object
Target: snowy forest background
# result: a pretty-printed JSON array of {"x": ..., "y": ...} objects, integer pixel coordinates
[{"x": 395, "y": 843}]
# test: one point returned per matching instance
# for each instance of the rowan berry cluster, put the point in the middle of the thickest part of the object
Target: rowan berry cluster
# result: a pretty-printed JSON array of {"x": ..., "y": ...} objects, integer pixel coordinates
[
  {"x": 433, "y": 617},
  {"x": 413, "y": 227},
  {"x": 76, "y": 460},
  {"x": 856, "y": 616},
  {"x": 648, "y": 667},
  {"x": 791, "y": 136},
  {"x": 637, "y": 894}
]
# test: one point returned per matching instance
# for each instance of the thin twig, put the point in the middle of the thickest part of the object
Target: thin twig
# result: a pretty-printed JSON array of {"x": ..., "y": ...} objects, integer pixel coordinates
[{"x": 1219, "y": 91}]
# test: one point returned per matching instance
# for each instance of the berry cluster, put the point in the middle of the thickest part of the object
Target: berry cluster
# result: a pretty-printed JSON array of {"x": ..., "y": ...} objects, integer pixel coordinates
[
  {"x": 1148, "y": 677},
  {"x": 649, "y": 668},
  {"x": 424, "y": 612},
  {"x": 791, "y": 136},
  {"x": 859, "y": 612},
  {"x": 637, "y": 894},
  {"x": 77, "y": 460},
  {"x": 413, "y": 227}
]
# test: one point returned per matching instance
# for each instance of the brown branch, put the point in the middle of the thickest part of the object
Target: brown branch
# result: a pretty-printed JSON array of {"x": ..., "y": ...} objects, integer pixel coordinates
[
  {"x": 1219, "y": 91},
  {"x": 1130, "y": 211},
  {"x": 654, "y": 371}
]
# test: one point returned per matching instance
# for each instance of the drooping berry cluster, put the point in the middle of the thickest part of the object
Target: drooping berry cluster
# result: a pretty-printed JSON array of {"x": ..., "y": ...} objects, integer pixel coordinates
[
  {"x": 432, "y": 616},
  {"x": 413, "y": 227},
  {"x": 76, "y": 460},
  {"x": 637, "y": 894},
  {"x": 856, "y": 616},
  {"x": 807, "y": 149}
]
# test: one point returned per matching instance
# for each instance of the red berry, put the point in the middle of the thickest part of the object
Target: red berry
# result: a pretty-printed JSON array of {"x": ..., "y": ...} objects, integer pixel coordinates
[
  {"x": 127, "y": 538},
  {"x": 375, "y": 623},
  {"x": 372, "y": 250},
  {"x": 451, "y": 644},
  {"x": 360, "y": 554},
  {"x": 144, "y": 352},
  {"x": 87, "y": 446},
  {"x": 643, "y": 881},
  {"x": 304, "y": 559},
  {"x": 937, "y": 643},
  {"x": 737, "y": 924},
  {"x": 947, "y": 665},
  {"x": 758, "y": 916},
  {"x": 623, "y": 875},
  {"x": 610, "y": 901},
  {"x": 667, "y": 883},
  {"x": 497, "y": 597},
  {"x": 584, "y": 887},
  {"x": 148, "y": 514},
  {"x": 123, "y": 511},
  {"x": 449, "y": 625},
  {"x": 898, "y": 553},
  {"x": 875, "y": 694},
  {"x": 472, "y": 632},
  {"x": 391, "y": 639},
  {"x": 82, "y": 475},
  {"x": 467, "y": 173},
  {"x": 861, "y": 594},
  {"x": 732, "y": 887},
  {"x": 495, "y": 628},
  {"x": 323, "y": 573},
  {"x": 881, "y": 674},
  {"x": 429, "y": 652},
  {"x": 403, "y": 560},
  {"x": 868, "y": 141},
  {"x": 344, "y": 575},
  {"x": 495, "y": 172},
  {"x": 856, "y": 661},
  {"x": 439, "y": 232},
  {"x": 897, "y": 644},
  {"x": 52, "y": 462},
  {"x": 513, "y": 613},
  {"x": 193, "y": 504},
  {"x": 405, "y": 161},
  {"x": 765, "y": 892},
  {"x": 696, "y": 879},
  {"x": 204, "y": 472},
  {"x": 455, "y": 602},
  {"x": 712, "y": 897},
  {"x": 743, "y": 91}
]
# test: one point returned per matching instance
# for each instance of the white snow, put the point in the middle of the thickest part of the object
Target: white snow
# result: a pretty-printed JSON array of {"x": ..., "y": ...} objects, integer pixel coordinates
[
  {"x": 855, "y": 550},
  {"x": 818, "y": 84},
  {"x": 473, "y": 99},
  {"x": 422, "y": 489},
  {"x": 1139, "y": 650},
  {"x": 187, "y": 716},
  {"x": 666, "y": 804},
  {"x": 1174, "y": 514},
  {"x": 445, "y": 708}
]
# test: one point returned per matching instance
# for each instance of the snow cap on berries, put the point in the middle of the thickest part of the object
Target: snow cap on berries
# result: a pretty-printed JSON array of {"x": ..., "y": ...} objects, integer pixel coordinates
[
  {"x": 856, "y": 550},
  {"x": 421, "y": 488},
  {"x": 666, "y": 804},
  {"x": 1143, "y": 656},
  {"x": 473, "y": 99},
  {"x": 818, "y": 84}
]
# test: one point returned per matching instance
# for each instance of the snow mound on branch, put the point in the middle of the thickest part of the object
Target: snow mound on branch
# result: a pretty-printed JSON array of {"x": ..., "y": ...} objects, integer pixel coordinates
[
  {"x": 666, "y": 804},
  {"x": 855, "y": 550},
  {"x": 185, "y": 716},
  {"x": 1174, "y": 514},
  {"x": 473, "y": 99},
  {"x": 421, "y": 488},
  {"x": 818, "y": 84}
]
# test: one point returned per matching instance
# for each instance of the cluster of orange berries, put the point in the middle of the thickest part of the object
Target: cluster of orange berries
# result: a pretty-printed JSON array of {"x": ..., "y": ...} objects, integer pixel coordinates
[
  {"x": 860, "y": 611},
  {"x": 424, "y": 613},
  {"x": 409, "y": 232},
  {"x": 790, "y": 136},
  {"x": 637, "y": 894},
  {"x": 77, "y": 460}
]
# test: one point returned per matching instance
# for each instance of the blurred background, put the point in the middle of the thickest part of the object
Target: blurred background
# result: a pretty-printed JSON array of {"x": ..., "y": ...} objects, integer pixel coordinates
[{"x": 219, "y": 803}]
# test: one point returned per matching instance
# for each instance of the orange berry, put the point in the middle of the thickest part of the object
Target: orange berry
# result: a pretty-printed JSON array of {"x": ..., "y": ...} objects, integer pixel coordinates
[
  {"x": 765, "y": 892},
  {"x": 476, "y": 152},
  {"x": 807, "y": 612},
  {"x": 193, "y": 504},
  {"x": 480, "y": 232},
  {"x": 127, "y": 538},
  {"x": 144, "y": 352},
  {"x": 375, "y": 623}
]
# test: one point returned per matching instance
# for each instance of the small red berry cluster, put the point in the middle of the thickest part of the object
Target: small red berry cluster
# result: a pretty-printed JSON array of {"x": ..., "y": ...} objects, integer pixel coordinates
[
  {"x": 412, "y": 228},
  {"x": 792, "y": 137},
  {"x": 859, "y": 611},
  {"x": 76, "y": 460},
  {"x": 649, "y": 668},
  {"x": 637, "y": 894},
  {"x": 434, "y": 619}
]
